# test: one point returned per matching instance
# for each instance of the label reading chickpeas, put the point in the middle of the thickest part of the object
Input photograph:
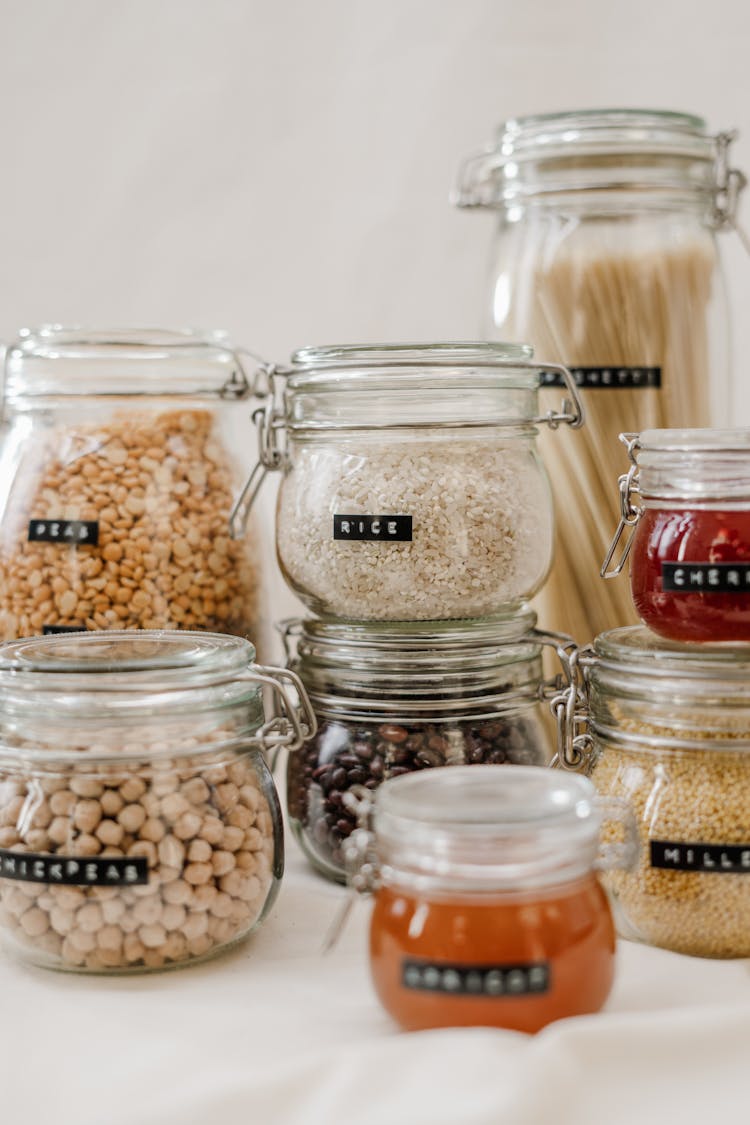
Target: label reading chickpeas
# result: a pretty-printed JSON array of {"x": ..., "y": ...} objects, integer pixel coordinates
[
  {"x": 392, "y": 529},
  {"x": 71, "y": 871},
  {"x": 73, "y": 532},
  {"x": 720, "y": 858},
  {"x": 476, "y": 980}
]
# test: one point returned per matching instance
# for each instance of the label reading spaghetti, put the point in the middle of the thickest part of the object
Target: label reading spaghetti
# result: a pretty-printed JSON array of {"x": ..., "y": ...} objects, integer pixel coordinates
[{"x": 603, "y": 378}]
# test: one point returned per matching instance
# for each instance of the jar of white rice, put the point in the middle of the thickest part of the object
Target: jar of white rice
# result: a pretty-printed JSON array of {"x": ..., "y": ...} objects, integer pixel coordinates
[{"x": 412, "y": 488}]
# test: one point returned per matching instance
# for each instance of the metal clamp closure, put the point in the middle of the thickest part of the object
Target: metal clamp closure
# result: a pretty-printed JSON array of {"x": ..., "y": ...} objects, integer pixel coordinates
[
  {"x": 570, "y": 708},
  {"x": 360, "y": 861},
  {"x": 630, "y": 513},
  {"x": 269, "y": 423},
  {"x": 571, "y": 410},
  {"x": 293, "y": 720}
]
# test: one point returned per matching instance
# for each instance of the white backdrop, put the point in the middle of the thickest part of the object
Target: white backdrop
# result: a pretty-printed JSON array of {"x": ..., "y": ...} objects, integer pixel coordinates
[{"x": 282, "y": 169}]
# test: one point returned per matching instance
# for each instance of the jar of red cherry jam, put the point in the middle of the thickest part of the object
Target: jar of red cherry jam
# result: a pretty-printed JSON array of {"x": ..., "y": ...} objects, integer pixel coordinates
[
  {"x": 488, "y": 909},
  {"x": 686, "y": 504}
]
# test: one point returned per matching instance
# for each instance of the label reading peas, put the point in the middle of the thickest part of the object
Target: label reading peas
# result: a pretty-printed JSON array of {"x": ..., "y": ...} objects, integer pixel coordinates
[
  {"x": 705, "y": 578},
  {"x": 476, "y": 980},
  {"x": 720, "y": 858},
  {"x": 605, "y": 378},
  {"x": 384, "y": 529},
  {"x": 74, "y": 871},
  {"x": 73, "y": 532}
]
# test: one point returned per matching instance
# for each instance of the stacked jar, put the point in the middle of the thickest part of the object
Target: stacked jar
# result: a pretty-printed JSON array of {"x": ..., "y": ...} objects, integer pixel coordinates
[
  {"x": 666, "y": 716},
  {"x": 414, "y": 517},
  {"x": 119, "y": 464}
]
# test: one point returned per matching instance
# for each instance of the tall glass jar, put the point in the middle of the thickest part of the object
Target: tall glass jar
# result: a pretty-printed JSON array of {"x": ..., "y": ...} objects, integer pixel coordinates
[
  {"x": 605, "y": 258},
  {"x": 120, "y": 457},
  {"x": 666, "y": 727},
  {"x": 139, "y": 824},
  {"x": 487, "y": 905},
  {"x": 395, "y": 698},
  {"x": 412, "y": 488},
  {"x": 688, "y": 532}
]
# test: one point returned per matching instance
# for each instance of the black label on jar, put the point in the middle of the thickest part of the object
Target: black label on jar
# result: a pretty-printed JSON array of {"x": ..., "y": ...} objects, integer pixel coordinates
[
  {"x": 53, "y": 630},
  {"x": 386, "y": 529},
  {"x": 74, "y": 871},
  {"x": 476, "y": 980},
  {"x": 73, "y": 532},
  {"x": 705, "y": 578},
  {"x": 604, "y": 378},
  {"x": 730, "y": 859}
]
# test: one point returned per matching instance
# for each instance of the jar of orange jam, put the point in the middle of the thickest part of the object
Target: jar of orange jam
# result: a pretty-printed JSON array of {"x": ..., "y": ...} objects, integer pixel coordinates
[{"x": 488, "y": 909}]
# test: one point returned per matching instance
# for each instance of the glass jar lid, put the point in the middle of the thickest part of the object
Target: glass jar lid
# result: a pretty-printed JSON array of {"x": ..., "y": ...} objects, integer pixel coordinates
[
  {"x": 485, "y": 828},
  {"x": 439, "y": 668},
  {"x": 602, "y": 149},
  {"x": 70, "y": 361},
  {"x": 130, "y": 675},
  {"x": 702, "y": 463}
]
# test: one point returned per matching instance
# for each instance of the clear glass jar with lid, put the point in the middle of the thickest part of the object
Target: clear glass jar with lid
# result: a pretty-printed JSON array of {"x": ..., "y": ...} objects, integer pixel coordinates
[
  {"x": 394, "y": 698},
  {"x": 139, "y": 824},
  {"x": 605, "y": 258},
  {"x": 488, "y": 909},
  {"x": 411, "y": 488},
  {"x": 666, "y": 727},
  {"x": 688, "y": 532},
  {"x": 120, "y": 459}
]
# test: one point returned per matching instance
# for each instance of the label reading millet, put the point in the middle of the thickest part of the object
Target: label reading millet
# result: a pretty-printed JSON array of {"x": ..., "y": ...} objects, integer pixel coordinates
[
  {"x": 73, "y": 532},
  {"x": 705, "y": 578},
  {"x": 728, "y": 859},
  {"x": 74, "y": 871},
  {"x": 476, "y": 980},
  {"x": 373, "y": 529}
]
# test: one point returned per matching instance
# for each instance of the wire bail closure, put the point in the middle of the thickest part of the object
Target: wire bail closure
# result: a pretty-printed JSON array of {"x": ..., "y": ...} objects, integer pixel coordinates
[
  {"x": 570, "y": 708},
  {"x": 630, "y": 513}
]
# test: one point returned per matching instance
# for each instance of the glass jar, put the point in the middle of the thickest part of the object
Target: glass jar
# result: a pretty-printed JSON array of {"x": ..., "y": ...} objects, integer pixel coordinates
[
  {"x": 139, "y": 824},
  {"x": 669, "y": 731},
  {"x": 394, "y": 698},
  {"x": 488, "y": 909},
  {"x": 411, "y": 489},
  {"x": 118, "y": 476},
  {"x": 605, "y": 258},
  {"x": 689, "y": 536}
]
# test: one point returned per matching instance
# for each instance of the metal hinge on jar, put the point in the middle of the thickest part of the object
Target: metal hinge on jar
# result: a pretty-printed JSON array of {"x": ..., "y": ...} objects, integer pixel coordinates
[
  {"x": 570, "y": 708},
  {"x": 293, "y": 719},
  {"x": 360, "y": 861},
  {"x": 630, "y": 513},
  {"x": 269, "y": 425}
]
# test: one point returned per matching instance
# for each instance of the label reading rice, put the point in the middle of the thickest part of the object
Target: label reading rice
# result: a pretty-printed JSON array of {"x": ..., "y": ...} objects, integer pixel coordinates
[
  {"x": 74, "y": 532},
  {"x": 733, "y": 859},
  {"x": 705, "y": 578},
  {"x": 383, "y": 529},
  {"x": 53, "y": 630},
  {"x": 74, "y": 871},
  {"x": 476, "y": 980},
  {"x": 602, "y": 378}
]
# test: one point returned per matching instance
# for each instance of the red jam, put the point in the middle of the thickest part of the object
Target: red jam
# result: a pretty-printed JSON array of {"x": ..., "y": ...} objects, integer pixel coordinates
[
  {"x": 513, "y": 961},
  {"x": 692, "y": 551}
]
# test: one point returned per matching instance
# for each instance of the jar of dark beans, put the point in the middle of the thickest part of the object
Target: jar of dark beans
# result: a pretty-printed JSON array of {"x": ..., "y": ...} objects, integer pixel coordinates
[{"x": 395, "y": 697}]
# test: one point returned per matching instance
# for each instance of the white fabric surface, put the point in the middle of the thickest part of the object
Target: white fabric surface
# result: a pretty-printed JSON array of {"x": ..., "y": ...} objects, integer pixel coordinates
[{"x": 274, "y": 1032}]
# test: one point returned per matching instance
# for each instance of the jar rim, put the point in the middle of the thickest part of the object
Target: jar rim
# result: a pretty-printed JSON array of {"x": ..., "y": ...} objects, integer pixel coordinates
[
  {"x": 492, "y": 825},
  {"x": 698, "y": 440},
  {"x": 454, "y": 352},
  {"x": 57, "y": 359},
  {"x": 635, "y": 647}
]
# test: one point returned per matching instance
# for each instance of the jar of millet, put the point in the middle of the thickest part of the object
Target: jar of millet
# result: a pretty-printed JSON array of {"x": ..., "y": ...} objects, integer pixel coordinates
[
  {"x": 139, "y": 824},
  {"x": 121, "y": 457},
  {"x": 487, "y": 906},
  {"x": 669, "y": 731},
  {"x": 397, "y": 697}
]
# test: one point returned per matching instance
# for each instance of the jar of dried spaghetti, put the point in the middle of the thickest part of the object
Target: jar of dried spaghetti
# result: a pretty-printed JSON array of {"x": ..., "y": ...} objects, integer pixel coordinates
[
  {"x": 669, "y": 730},
  {"x": 399, "y": 697},
  {"x": 605, "y": 258},
  {"x": 412, "y": 488},
  {"x": 120, "y": 461}
]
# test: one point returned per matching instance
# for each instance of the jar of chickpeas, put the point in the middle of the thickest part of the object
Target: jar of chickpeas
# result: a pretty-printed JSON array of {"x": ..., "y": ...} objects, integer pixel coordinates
[{"x": 139, "y": 824}]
